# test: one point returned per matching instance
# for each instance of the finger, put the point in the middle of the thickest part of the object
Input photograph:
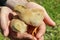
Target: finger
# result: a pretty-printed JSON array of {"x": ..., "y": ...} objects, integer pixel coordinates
[
  {"x": 4, "y": 20},
  {"x": 47, "y": 19},
  {"x": 21, "y": 35},
  {"x": 42, "y": 38},
  {"x": 41, "y": 31},
  {"x": 26, "y": 35}
]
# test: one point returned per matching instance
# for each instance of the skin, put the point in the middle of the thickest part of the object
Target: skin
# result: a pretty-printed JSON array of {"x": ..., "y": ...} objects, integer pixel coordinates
[{"x": 5, "y": 11}]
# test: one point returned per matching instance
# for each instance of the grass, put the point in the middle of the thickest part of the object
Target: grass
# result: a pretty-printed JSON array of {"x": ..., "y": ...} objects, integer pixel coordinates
[{"x": 53, "y": 9}]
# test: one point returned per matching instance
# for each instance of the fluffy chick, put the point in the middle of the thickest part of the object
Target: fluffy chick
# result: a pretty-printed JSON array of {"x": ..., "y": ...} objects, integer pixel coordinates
[
  {"x": 32, "y": 17},
  {"x": 18, "y": 26}
]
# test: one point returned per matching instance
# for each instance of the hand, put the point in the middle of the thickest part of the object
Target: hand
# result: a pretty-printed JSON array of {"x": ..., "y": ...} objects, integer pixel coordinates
[
  {"x": 6, "y": 16},
  {"x": 46, "y": 20},
  {"x": 41, "y": 31}
]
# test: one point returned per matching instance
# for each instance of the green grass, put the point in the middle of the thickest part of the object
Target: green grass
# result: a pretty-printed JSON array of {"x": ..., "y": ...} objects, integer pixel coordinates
[{"x": 53, "y": 9}]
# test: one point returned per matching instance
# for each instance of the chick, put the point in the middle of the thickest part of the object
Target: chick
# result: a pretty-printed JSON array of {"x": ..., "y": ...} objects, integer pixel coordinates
[
  {"x": 32, "y": 17},
  {"x": 18, "y": 26}
]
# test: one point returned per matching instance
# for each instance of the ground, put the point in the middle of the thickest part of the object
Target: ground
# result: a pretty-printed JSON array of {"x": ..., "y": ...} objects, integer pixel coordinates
[{"x": 53, "y": 9}]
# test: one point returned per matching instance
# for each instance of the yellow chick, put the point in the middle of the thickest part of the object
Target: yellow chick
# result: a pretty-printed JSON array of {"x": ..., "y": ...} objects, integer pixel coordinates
[
  {"x": 18, "y": 26},
  {"x": 32, "y": 17}
]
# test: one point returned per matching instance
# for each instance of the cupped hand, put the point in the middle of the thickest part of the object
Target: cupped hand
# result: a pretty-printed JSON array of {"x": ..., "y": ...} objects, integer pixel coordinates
[
  {"x": 5, "y": 21},
  {"x": 6, "y": 16},
  {"x": 47, "y": 20}
]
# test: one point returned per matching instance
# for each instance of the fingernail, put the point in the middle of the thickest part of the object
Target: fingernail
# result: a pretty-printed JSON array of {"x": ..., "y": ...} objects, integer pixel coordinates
[{"x": 54, "y": 23}]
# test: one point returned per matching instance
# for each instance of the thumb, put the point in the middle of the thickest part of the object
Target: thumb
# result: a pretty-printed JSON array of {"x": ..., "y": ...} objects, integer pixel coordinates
[
  {"x": 4, "y": 21},
  {"x": 41, "y": 31},
  {"x": 4, "y": 24}
]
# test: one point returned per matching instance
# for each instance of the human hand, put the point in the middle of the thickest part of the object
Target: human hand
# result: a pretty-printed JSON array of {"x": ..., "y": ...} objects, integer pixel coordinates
[
  {"x": 6, "y": 16},
  {"x": 47, "y": 20}
]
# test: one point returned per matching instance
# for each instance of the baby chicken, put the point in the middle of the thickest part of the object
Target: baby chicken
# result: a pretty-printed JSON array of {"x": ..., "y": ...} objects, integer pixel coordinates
[
  {"x": 32, "y": 17},
  {"x": 18, "y": 26}
]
